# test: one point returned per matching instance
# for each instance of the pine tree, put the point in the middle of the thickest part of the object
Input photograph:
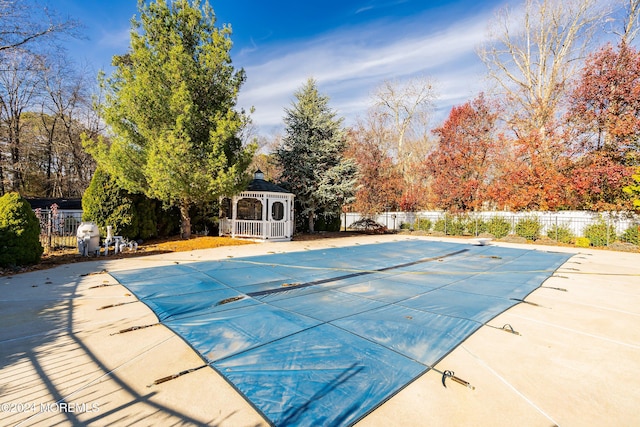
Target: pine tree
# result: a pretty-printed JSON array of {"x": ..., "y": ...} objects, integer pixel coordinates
[
  {"x": 170, "y": 105},
  {"x": 311, "y": 156}
]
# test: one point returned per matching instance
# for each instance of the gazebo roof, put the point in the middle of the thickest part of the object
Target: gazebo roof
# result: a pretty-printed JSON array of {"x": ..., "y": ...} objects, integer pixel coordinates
[
  {"x": 65, "y": 204},
  {"x": 259, "y": 184}
]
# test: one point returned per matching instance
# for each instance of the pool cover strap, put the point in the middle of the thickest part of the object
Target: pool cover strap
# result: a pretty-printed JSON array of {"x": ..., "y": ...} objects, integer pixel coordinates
[{"x": 288, "y": 287}]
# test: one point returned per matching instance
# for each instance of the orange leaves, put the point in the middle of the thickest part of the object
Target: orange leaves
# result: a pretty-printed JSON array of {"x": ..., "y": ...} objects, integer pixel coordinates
[
  {"x": 606, "y": 102},
  {"x": 379, "y": 180},
  {"x": 459, "y": 166},
  {"x": 597, "y": 181},
  {"x": 530, "y": 185}
]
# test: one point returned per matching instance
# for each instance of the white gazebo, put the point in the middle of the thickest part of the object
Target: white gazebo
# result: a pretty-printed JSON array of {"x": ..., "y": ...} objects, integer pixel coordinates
[{"x": 263, "y": 211}]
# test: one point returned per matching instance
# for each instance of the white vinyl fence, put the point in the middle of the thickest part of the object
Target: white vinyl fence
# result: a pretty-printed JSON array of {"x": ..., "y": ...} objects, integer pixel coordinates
[
  {"x": 612, "y": 227},
  {"x": 58, "y": 228}
]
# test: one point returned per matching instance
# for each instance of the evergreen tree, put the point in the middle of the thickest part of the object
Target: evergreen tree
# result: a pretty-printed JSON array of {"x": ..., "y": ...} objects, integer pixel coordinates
[
  {"x": 19, "y": 232},
  {"x": 311, "y": 156},
  {"x": 170, "y": 105},
  {"x": 133, "y": 216}
]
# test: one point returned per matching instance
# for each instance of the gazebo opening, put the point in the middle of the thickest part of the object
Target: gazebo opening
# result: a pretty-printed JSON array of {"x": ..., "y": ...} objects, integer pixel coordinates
[
  {"x": 250, "y": 209},
  {"x": 277, "y": 211}
]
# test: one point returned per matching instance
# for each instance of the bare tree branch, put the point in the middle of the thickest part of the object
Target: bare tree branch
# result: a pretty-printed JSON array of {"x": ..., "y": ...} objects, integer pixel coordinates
[
  {"x": 630, "y": 21},
  {"x": 23, "y": 24},
  {"x": 406, "y": 105},
  {"x": 534, "y": 52}
]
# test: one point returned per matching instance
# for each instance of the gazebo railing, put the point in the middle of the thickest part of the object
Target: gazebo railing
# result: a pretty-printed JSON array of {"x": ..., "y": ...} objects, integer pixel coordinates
[
  {"x": 255, "y": 228},
  {"x": 226, "y": 226},
  {"x": 248, "y": 228},
  {"x": 278, "y": 229}
]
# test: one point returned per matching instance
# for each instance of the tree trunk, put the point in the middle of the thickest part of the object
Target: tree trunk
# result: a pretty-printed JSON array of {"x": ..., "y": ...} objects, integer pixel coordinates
[
  {"x": 311, "y": 221},
  {"x": 185, "y": 220}
]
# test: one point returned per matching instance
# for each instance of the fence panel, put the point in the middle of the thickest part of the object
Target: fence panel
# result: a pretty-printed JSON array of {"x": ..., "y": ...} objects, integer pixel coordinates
[
  {"x": 602, "y": 229},
  {"x": 58, "y": 229}
]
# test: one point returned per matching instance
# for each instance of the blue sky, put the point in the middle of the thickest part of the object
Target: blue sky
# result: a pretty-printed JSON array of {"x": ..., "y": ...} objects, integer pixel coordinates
[{"x": 349, "y": 47}]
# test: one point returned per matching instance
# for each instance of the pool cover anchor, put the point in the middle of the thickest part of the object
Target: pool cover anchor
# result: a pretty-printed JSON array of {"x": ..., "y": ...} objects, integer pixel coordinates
[
  {"x": 115, "y": 305},
  {"x": 450, "y": 374},
  {"x": 508, "y": 328},
  {"x": 174, "y": 376},
  {"x": 134, "y": 328},
  {"x": 554, "y": 288}
]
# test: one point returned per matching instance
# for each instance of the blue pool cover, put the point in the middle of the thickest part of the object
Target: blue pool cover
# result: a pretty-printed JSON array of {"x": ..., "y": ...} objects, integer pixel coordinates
[{"x": 323, "y": 337}]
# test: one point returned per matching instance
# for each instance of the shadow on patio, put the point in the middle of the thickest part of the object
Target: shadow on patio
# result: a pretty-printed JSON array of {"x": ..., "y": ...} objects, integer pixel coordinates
[{"x": 63, "y": 362}]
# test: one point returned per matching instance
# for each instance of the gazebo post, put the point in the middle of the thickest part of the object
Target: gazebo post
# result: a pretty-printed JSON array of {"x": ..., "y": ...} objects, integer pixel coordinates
[
  {"x": 234, "y": 215},
  {"x": 265, "y": 209},
  {"x": 292, "y": 223}
]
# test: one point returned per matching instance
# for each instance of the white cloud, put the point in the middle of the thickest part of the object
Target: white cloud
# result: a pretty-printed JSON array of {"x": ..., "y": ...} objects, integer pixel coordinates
[
  {"x": 115, "y": 39},
  {"x": 349, "y": 64}
]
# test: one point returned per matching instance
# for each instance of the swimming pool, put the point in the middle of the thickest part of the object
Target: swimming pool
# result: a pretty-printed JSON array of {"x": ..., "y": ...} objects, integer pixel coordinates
[{"x": 323, "y": 337}]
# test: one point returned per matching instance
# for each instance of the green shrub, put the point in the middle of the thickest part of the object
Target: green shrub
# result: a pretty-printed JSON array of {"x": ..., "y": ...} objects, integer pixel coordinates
[
  {"x": 458, "y": 225},
  {"x": 498, "y": 227},
  {"x": 452, "y": 225},
  {"x": 529, "y": 228},
  {"x": 440, "y": 225},
  {"x": 133, "y": 216},
  {"x": 423, "y": 224},
  {"x": 560, "y": 233},
  {"x": 631, "y": 235},
  {"x": 405, "y": 226},
  {"x": 583, "y": 242},
  {"x": 599, "y": 234},
  {"x": 328, "y": 222},
  {"x": 476, "y": 226},
  {"x": 19, "y": 232}
]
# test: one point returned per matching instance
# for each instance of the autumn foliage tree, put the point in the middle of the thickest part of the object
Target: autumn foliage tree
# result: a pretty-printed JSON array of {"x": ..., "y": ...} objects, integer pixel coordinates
[
  {"x": 530, "y": 176},
  {"x": 633, "y": 190},
  {"x": 459, "y": 167},
  {"x": 604, "y": 127},
  {"x": 605, "y": 105},
  {"x": 403, "y": 109},
  {"x": 597, "y": 182},
  {"x": 380, "y": 182}
]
